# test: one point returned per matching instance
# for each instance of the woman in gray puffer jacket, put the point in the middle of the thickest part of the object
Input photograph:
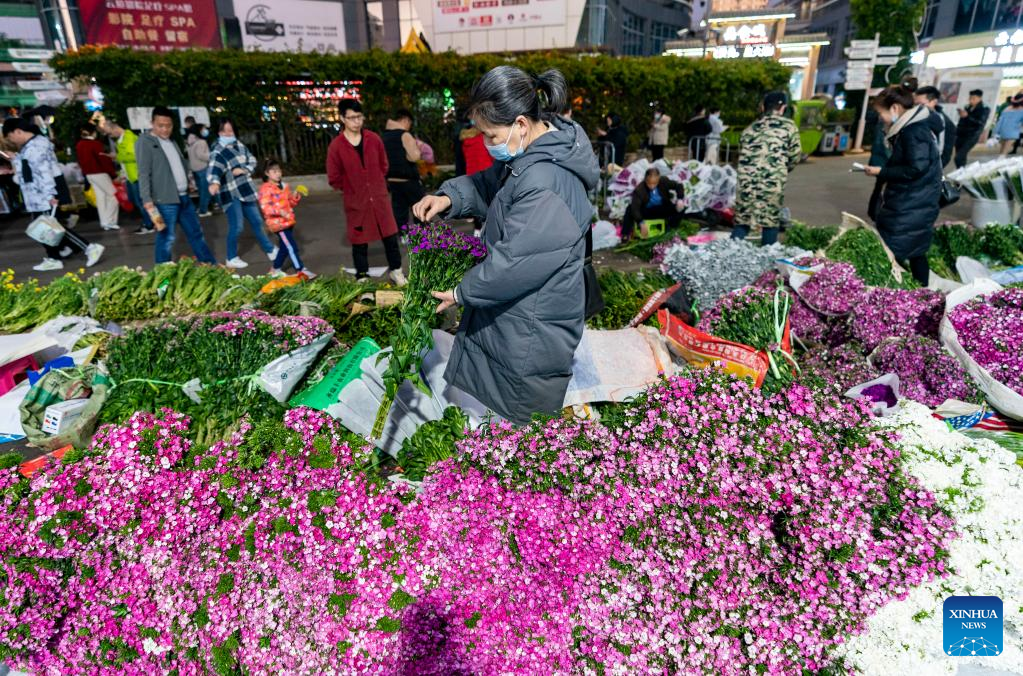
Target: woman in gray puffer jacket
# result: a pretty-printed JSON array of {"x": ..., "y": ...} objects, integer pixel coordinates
[{"x": 524, "y": 304}]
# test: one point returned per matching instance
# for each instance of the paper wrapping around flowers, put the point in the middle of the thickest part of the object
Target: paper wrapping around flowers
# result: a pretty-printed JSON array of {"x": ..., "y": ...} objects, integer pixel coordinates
[
  {"x": 1006, "y": 400},
  {"x": 707, "y": 186}
]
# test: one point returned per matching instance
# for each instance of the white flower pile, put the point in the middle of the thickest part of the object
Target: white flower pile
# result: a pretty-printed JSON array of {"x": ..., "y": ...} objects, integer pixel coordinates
[
  {"x": 707, "y": 186},
  {"x": 980, "y": 485}
]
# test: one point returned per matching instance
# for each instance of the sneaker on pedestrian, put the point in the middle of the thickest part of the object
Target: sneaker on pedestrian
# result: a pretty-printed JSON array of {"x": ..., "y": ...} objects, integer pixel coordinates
[
  {"x": 92, "y": 254},
  {"x": 72, "y": 221},
  {"x": 49, "y": 264},
  {"x": 236, "y": 263},
  {"x": 110, "y": 226},
  {"x": 398, "y": 277},
  {"x": 307, "y": 274},
  {"x": 143, "y": 230},
  {"x": 273, "y": 254},
  {"x": 276, "y": 272},
  {"x": 362, "y": 279},
  {"x": 205, "y": 214},
  {"x": 65, "y": 252}
]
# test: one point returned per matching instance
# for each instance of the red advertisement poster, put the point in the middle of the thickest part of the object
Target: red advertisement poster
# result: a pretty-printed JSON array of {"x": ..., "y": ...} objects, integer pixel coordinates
[{"x": 150, "y": 24}]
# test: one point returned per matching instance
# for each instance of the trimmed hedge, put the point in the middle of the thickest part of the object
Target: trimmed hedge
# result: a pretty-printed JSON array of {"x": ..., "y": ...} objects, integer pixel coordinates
[{"x": 242, "y": 83}]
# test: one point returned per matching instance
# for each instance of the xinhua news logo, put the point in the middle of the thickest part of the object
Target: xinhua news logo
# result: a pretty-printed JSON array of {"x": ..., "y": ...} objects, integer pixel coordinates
[{"x": 972, "y": 626}]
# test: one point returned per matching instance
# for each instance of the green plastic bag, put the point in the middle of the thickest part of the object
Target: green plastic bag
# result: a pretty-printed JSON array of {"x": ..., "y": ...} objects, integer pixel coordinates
[
  {"x": 60, "y": 385},
  {"x": 325, "y": 393}
]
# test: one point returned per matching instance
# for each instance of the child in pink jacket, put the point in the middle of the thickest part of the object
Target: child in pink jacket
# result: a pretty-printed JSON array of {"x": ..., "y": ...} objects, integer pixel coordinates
[{"x": 278, "y": 205}]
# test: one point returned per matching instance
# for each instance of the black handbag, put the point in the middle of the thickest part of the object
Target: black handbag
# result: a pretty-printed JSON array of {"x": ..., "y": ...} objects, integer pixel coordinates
[
  {"x": 949, "y": 193},
  {"x": 594, "y": 298}
]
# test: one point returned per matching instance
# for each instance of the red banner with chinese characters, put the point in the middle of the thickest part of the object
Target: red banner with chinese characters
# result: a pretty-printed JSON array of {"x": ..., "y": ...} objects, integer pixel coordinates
[{"x": 151, "y": 24}]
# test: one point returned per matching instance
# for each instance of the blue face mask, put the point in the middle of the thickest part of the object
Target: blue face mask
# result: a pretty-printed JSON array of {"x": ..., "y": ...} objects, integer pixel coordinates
[
  {"x": 205, "y": 133},
  {"x": 226, "y": 139},
  {"x": 500, "y": 151}
]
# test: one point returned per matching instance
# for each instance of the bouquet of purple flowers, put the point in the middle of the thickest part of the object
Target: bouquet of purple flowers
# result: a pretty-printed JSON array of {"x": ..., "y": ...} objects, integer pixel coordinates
[
  {"x": 990, "y": 329},
  {"x": 438, "y": 258}
]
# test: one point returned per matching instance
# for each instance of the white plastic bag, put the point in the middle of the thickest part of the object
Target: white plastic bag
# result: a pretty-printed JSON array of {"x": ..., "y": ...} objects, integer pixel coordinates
[
  {"x": 1006, "y": 400},
  {"x": 280, "y": 376},
  {"x": 605, "y": 236},
  {"x": 45, "y": 229},
  {"x": 879, "y": 408}
]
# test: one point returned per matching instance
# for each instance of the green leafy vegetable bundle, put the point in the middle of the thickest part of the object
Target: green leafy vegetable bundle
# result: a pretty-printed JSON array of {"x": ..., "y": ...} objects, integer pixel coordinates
[
  {"x": 865, "y": 251},
  {"x": 624, "y": 295},
  {"x": 433, "y": 441},
  {"x": 809, "y": 237},
  {"x": 205, "y": 367}
]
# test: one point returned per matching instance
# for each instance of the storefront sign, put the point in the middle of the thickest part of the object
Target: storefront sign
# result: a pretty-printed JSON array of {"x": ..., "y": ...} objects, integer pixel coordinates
[
  {"x": 743, "y": 51},
  {"x": 150, "y": 24},
  {"x": 455, "y": 16},
  {"x": 291, "y": 25},
  {"x": 746, "y": 34},
  {"x": 740, "y": 5}
]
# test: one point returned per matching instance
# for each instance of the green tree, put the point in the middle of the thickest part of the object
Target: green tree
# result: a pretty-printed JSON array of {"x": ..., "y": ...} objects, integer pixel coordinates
[{"x": 896, "y": 20}]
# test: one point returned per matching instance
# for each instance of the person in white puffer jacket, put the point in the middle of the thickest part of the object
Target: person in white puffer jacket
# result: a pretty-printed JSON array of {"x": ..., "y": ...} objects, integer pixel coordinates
[{"x": 38, "y": 174}]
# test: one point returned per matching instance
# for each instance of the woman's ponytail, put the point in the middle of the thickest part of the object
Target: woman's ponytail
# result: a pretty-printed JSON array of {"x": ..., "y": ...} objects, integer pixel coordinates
[
  {"x": 554, "y": 92},
  {"x": 506, "y": 92}
]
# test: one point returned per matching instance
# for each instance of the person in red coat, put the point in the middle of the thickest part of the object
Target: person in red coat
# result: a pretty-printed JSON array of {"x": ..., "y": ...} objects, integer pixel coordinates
[
  {"x": 357, "y": 166},
  {"x": 95, "y": 160},
  {"x": 477, "y": 159}
]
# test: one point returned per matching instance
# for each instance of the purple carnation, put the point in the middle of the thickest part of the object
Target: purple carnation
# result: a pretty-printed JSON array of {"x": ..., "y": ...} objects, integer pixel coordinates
[
  {"x": 927, "y": 373},
  {"x": 834, "y": 290},
  {"x": 842, "y": 367},
  {"x": 991, "y": 330},
  {"x": 896, "y": 313}
]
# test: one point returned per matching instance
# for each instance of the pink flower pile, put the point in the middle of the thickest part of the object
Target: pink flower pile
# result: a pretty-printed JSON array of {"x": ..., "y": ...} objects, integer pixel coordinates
[
  {"x": 990, "y": 328},
  {"x": 705, "y": 528},
  {"x": 297, "y": 331}
]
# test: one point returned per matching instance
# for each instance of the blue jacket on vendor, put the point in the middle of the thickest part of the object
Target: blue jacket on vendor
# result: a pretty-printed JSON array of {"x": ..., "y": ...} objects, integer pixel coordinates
[{"x": 524, "y": 304}]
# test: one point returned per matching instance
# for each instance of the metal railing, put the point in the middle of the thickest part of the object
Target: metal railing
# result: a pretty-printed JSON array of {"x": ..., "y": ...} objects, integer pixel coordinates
[{"x": 707, "y": 145}]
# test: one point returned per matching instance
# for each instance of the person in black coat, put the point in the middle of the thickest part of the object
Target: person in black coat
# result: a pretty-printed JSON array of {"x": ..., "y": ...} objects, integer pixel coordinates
[
  {"x": 972, "y": 120},
  {"x": 941, "y": 124},
  {"x": 906, "y": 205},
  {"x": 616, "y": 134},
  {"x": 655, "y": 198}
]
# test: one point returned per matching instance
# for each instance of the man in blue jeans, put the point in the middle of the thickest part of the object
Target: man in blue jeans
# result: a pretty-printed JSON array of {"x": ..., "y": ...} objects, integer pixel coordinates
[{"x": 163, "y": 186}]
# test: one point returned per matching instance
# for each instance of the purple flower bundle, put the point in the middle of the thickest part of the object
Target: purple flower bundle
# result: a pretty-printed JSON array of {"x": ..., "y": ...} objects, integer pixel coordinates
[
  {"x": 760, "y": 528},
  {"x": 840, "y": 368},
  {"x": 990, "y": 329},
  {"x": 896, "y": 313},
  {"x": 927, "y": 372},
  {"x": 834, "y": 290},
  {"x": 438, "y": 258}
]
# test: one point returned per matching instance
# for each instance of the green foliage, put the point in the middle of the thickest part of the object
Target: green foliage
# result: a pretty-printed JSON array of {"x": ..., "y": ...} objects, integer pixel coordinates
[
  {"x": 896, "y": 21},
  {"x": 241, "y": 83},
  {"x": 865, "y": 251},
  {"x": 9, "y": 460},
  {"x": 644, "y": 248},
  {"x": 624, "y": 295},
  {"x": 432, "y": 442},
  {"x": 70, "y": 117},
  {"x": 809, "y": 237}
]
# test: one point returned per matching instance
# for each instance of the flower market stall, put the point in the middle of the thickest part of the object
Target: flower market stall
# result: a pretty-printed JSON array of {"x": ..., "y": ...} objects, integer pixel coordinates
[{"x": 807, "y": 510}]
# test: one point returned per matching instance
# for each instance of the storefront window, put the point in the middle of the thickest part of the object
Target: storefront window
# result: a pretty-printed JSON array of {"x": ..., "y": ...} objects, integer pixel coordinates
[
  {"x": 661, "y": 33},
  {"x": 975, "y": 16},
  {"x": 1008, "y": 14},
  {"x": 930, "y": 18},
  {"x": 597, "y": 32},
  {"x": 633, "y": 32}
]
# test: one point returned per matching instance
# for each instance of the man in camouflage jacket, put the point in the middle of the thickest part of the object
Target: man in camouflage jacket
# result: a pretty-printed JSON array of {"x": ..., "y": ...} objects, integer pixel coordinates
[{"x": 769, "y": 151}]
